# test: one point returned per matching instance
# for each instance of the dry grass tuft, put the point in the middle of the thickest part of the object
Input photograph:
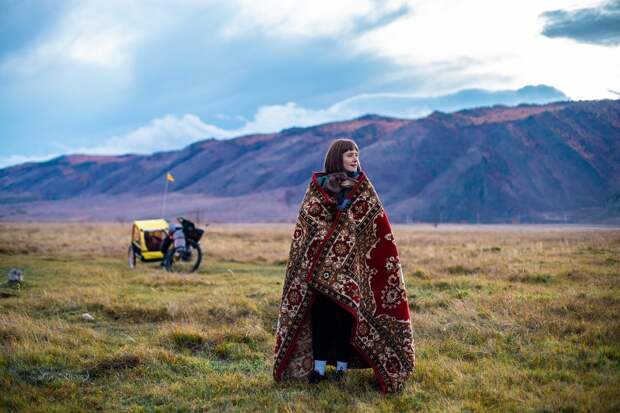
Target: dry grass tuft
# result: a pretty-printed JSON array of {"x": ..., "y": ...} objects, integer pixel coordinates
[{"x": 114, "y": 364}]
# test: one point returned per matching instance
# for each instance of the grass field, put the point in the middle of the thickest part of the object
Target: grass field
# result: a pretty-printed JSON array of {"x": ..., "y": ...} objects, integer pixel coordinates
[{"x": 504, "y": 319}]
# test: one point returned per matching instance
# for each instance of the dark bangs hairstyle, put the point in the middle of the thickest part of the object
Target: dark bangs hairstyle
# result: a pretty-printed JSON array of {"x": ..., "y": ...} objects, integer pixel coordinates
[{"x": 333, "y": 158}]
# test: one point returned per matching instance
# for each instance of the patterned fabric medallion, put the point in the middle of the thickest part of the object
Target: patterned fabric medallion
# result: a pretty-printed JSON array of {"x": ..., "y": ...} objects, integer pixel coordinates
[{"x": 352, "y": 258}]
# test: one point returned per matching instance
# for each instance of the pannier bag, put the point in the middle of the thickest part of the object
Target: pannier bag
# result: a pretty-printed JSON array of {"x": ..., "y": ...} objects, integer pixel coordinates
[{"x": 179, "y": 238}]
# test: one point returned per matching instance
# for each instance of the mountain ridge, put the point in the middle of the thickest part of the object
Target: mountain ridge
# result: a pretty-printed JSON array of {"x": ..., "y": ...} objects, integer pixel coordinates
[{"x": 485, "y": 164}]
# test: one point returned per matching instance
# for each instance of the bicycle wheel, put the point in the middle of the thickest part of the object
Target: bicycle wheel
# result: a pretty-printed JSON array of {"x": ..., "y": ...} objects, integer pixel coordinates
[{"x": 186, "y": 259}]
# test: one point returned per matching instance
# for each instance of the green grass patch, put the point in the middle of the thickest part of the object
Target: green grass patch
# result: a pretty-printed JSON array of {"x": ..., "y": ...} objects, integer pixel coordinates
[
  {"x": 461, "y": 270},
  {"x": 532, "y": 278}
]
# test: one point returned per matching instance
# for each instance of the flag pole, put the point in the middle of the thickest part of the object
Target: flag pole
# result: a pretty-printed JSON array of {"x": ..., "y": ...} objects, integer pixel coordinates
[{"x": 163, "y": 207}]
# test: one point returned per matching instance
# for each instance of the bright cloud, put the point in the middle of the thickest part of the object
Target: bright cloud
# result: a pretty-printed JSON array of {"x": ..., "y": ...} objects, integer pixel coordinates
[
  {"x": 495, "y": 44},
  {"x": 19, "y": 159},
  {"x": 97, "y": 33},
  {"x": 308, "y": 18},
  {"x": 166, "y": 133}
]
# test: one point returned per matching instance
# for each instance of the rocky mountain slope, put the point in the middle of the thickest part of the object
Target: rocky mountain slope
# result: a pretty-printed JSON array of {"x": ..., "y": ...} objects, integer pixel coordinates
[{"x": 558, "y": 162}]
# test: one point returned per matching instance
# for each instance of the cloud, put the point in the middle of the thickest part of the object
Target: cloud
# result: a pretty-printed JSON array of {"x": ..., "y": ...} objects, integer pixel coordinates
[
  {"x": 277, "y": 117},
  {"x": 110, "y": 34},
  {"x": 491, "y": 45},
  {"x": 171, "y": 132},
  {"x": 166, "y": 133},
  {"x": 25, "y": 22},
  {"x": 387, "y": 16},
  {"x": 105, "y": 67},
  {"x": 412, "y": 106},
  {"x": 19, "y": 159},
  {"x": 91, "y": 33},
  {"x": 106, "y": 35},
  {"x": 314, "y": 18},
  {"x": 162, "y": 134},
  {"x": 596, "y": 25}
]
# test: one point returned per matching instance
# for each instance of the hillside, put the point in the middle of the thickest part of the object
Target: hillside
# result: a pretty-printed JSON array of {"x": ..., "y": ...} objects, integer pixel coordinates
[{"x": 529, "y": 163}]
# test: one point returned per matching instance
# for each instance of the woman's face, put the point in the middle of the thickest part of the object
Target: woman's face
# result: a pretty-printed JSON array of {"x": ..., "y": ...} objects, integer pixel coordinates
[{"x": 351, "y": 160}]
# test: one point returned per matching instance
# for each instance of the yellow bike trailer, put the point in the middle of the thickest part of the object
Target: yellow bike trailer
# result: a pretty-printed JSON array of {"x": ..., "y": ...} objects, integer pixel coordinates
[{"x": 146, "y": 239}]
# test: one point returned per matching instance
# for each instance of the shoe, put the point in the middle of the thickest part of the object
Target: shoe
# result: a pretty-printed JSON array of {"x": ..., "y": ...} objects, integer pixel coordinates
[
  {"x": 315, "y": 377},
  {"x": 340, "y": 375}
]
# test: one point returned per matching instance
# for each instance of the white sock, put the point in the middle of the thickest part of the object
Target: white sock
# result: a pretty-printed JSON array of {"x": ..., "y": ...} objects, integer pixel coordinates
[
  {"x": 341, "y": 365},
  {"x": 319, "y": 366}
]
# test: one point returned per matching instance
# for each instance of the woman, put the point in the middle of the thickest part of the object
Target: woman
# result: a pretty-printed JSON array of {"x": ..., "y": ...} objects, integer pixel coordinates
[{"x": 344, "y": 301}]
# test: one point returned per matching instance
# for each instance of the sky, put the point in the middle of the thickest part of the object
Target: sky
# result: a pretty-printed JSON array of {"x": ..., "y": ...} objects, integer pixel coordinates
[{"x": 115, "y": 77}]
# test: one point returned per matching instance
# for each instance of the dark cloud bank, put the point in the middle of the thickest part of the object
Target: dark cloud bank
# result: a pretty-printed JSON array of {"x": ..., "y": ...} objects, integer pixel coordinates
[{"x": 597, "y": 25}]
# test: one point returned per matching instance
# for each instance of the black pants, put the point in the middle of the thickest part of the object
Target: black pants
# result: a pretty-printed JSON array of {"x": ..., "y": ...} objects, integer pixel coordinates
[{"x": 331, "y": 330}]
